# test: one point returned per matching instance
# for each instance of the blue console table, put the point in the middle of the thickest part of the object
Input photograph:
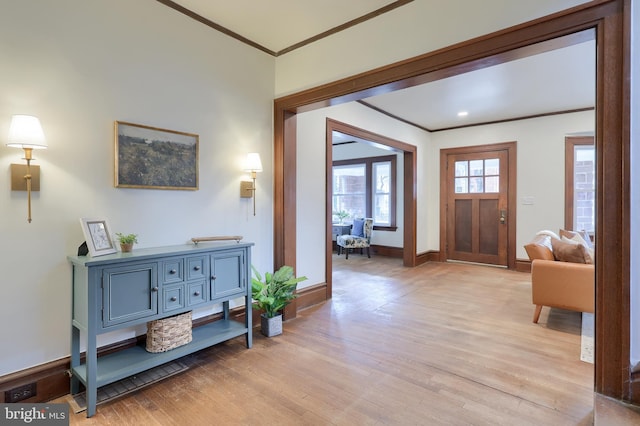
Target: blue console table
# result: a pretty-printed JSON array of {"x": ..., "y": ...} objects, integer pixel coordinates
[{"x": 126, "y": 289}]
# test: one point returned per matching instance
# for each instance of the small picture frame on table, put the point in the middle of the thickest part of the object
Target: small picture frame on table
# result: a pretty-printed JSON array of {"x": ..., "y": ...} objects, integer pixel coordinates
[{"x": 98, "y": 237}]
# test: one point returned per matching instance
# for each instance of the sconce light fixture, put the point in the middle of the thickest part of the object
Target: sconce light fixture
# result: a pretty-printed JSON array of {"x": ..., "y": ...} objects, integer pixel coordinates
[
  {"x": 248, "y": 189},
  {"x": 26, "y": 132}
]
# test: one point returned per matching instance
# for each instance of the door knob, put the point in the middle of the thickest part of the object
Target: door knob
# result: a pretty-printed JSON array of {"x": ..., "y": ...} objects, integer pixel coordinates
[{"x": 503, "y": 216}]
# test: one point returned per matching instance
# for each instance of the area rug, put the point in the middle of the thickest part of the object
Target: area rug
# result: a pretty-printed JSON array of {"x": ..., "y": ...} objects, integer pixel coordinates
[
  {"x": 78, "y": 402},
  {"x": 586, "y": 344}
]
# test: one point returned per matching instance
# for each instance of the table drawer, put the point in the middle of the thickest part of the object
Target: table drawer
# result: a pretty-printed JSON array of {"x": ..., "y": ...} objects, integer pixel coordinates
[
  {"x": 172, "y": 271},
  {"x": 197, "y": 267},
  {"x": 173, "y": 298},
  {"x": 196, "y": 293}
]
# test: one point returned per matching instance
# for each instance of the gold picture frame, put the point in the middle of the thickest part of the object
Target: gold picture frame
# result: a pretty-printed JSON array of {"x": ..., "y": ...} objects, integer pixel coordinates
[{"x": 154, "y": 158}]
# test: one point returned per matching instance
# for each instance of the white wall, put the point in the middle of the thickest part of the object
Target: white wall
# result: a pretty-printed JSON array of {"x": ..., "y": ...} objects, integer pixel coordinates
[
  {"x": 79, "y": 66},
  {"x": 311, "y": 180},
  {"x": 540, "y": 153},
  {"x": 414, "y": 29}
]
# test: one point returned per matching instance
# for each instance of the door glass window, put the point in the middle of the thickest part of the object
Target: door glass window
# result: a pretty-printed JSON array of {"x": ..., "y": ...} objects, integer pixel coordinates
[
  {"x": 462, "y": 168},
  {"x": 462, "y": 185},
  {"x": 476, "y": 167},
  {"x": 477, "y": 176}
]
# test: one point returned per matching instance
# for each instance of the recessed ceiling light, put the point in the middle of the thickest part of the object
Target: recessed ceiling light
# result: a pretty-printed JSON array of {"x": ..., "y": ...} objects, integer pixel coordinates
[{"x": 463, "y": 114}]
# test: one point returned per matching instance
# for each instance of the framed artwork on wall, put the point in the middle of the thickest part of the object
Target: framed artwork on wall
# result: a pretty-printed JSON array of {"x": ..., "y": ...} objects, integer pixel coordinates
[
  {"x": 97, "y": 236},
  {"x": 154, "y": 158}
]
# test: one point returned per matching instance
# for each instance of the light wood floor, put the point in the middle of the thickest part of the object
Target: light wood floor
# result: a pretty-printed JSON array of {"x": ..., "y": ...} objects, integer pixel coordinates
[{"x": 439, "y": 344}]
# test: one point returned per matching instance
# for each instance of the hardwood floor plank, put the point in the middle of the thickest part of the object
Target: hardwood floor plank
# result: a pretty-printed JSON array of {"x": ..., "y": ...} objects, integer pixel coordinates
[{"x": 438, "y": 344}]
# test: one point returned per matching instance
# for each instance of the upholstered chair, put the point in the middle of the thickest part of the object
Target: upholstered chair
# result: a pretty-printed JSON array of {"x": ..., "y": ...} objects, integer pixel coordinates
[{"x": 360, "y": 237}]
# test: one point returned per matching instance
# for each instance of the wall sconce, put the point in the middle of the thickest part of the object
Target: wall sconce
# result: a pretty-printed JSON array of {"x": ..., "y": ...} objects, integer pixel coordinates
[
  {"x": 248, "y": 189},
  {"x": 26, "y": 132}
]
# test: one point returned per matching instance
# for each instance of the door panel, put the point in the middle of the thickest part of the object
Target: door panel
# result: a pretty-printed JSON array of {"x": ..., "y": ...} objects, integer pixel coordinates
[
  {"x": 477, "y": 202},
  {"x": 488, "y": 238},
  {"x": 463, "y": 231}
]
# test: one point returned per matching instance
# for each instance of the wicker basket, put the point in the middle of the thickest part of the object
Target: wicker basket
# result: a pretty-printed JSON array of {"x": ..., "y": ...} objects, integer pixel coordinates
[{"x": 169, "y": 333}]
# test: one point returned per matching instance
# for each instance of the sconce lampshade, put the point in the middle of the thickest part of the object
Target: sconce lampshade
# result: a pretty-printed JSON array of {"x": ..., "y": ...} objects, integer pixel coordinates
[
  {"x": 253, "y": 163},
  {"x": 26, "y": 132}
]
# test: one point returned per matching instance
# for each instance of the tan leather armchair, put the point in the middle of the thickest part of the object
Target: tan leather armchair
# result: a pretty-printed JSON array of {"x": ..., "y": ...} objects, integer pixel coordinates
[{"x": 559, "y": 284}]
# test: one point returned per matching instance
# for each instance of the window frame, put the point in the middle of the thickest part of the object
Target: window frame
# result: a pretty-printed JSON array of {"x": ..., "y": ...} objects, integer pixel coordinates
[
  {"x": 370, "y": 190},
  {"x": 569, "y": 195}
]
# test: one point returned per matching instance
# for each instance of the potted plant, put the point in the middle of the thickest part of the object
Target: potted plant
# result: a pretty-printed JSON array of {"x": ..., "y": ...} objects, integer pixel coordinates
[
  {"x": 342, "y": 215},
  {"x": 127, "y": 241},
  {"x": 271, "y": 295}
]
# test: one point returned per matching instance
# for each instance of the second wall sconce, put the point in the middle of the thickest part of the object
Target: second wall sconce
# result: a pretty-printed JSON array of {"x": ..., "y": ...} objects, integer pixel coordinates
[
  {"x": 247, "y": 188},
  {"x": 26, "y": 133}
]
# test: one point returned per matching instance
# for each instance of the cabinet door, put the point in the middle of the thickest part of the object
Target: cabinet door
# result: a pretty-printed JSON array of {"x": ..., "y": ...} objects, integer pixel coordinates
[
  {"x": 129, "y": 293},
  {"x": 227, "y": 274}
]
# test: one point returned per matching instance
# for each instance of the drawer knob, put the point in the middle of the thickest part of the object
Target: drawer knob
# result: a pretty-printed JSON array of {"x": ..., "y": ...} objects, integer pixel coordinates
[
  {"x": 154, "y": 289},
  {"x": 196, "y": 268},
  {"x": 173, "y": 299},
  {"x": 173, "y": 271},
  {"x": 196, "y": 293}
]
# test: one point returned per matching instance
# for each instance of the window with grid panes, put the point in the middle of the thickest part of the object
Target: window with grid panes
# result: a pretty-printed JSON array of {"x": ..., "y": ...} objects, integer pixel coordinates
[
  {"x": 366, "y": 187},
  {"x": 477, "y": 176}
]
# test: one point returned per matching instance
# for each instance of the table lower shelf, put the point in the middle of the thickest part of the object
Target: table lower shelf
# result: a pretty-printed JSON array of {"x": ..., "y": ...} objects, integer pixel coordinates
[{"x": 130, "y": 361}]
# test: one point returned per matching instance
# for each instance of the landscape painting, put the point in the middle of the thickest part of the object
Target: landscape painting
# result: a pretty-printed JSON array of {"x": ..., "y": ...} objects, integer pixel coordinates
[{"x": 153, "y": 158}]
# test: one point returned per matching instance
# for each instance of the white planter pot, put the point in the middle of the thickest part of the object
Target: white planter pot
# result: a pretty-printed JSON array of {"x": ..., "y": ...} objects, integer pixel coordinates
[{"x": 271, "y": 326}]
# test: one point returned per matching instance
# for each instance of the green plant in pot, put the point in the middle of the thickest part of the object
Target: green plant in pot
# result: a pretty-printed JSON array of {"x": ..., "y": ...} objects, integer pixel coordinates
[
  {"x": 271, "y": 295},
  {"x": 342, "y": 215},
  {"x": 127, "y": 241}
]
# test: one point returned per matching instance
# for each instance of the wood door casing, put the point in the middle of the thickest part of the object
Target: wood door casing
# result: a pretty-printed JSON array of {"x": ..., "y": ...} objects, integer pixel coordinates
[{"x": 471, "y": 228}]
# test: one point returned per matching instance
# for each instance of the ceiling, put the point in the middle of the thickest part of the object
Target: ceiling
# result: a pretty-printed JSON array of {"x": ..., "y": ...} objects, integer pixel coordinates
[{"x": 546, "y": 83}]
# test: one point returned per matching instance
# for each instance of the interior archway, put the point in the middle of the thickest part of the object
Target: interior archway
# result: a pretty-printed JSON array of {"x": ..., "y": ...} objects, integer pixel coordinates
[{"x": 609, "y": 19}]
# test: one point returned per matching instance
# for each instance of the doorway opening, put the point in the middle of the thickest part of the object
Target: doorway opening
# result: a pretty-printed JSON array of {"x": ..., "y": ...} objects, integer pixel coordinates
[{"x": 408, "y": 183}]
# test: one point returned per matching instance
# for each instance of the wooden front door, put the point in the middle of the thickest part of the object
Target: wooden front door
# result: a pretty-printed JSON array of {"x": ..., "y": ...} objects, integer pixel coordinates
[{"x": 477, "y": 209}]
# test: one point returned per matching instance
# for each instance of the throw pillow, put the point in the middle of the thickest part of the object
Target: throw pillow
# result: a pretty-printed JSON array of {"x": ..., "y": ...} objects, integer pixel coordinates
[
  {"x": 568, "y": 252},
  {"x": 586, "y": 240},
  {"x": 540, "y": 248},
  {"x": 549, "y": 233},
  {"x": 577, "y": 239},
  {"x": 358, "y": 228}
]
